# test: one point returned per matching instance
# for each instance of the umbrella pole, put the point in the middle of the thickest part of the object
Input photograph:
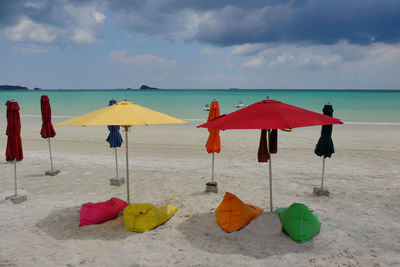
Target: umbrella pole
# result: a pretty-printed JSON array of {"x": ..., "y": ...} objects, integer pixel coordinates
[
  {"x": 323, "y": 172},
  {"x": 51, "y": 158},
  {"x": 15, "y": 177},
  {"x": 116, "y": 163},
  {"x": 270, "y": 175},
  {"x": 127, "y": 163},
  {"x": 212, "y": 172}
]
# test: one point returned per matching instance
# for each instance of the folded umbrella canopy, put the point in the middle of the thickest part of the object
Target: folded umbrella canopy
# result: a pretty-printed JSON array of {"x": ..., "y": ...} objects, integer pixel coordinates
[
  {"x": 325, "y": 146},
  {"x": 269, "y": 114},
  {"x": 213, "y": 144},
  {"x": 115, "y": 140},
  {"x": 47, "y": 130},
  {"x": 14, "y": 151},
  {"x": 125, "y": 114}
]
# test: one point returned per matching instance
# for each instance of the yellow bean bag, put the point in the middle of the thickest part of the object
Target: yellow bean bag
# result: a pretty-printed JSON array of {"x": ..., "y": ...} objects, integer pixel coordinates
[
  {"x": 232, "y": 214},
  {"x": 144, "y": 217}
]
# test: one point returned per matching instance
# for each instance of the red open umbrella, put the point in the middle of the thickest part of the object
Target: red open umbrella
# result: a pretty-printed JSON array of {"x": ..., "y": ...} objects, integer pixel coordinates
[
  {"x": 213, "y": 144},
  {"x": 270, "y": 114},
  {"x": 47, "y": 130},
  {"x": 14, "y": 145}
]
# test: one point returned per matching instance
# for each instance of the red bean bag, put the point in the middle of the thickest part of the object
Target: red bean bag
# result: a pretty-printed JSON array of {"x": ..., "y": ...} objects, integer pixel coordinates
[{"x": 94, "y": 213}]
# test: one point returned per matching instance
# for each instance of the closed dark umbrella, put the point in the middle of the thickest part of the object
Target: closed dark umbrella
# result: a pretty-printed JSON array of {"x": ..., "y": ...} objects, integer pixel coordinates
[
  {"x": 47, "y": 130},
  {"x": 324, "y": 147},
  {"x": 14, "y": 151},
  {"x": 115, "y": 140}
]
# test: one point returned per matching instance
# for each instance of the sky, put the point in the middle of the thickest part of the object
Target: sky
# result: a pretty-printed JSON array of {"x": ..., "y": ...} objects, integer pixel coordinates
[{"x": 200, "y": 44}]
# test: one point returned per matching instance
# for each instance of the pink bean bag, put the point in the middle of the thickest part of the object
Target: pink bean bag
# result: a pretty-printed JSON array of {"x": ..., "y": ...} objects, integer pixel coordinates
[{"x": 94, "y": 213}]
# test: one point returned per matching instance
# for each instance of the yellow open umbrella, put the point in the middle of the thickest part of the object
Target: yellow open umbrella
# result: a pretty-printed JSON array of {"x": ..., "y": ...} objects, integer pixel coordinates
[{"x": 125, "y": 114}]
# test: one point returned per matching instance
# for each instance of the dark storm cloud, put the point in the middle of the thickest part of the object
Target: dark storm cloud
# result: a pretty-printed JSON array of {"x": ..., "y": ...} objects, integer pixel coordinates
[
  {"x": 233, "y": 22},
  {"x": 40, "y": 11},
  {"x": 298, "y": 21},
  {"x": 316, "y": 22},
  {"x": 9, "y": 12}
]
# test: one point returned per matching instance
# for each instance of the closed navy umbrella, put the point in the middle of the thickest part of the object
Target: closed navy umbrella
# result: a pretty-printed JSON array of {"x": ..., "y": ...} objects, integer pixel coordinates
[
  {"x": 324, "y": 147},
  {"x": 115, "y": 140}
]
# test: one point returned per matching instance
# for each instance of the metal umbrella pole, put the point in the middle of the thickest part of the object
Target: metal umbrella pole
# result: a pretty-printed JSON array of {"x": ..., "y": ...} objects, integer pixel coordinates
[
  {"x": 15, "y": 177},
  {"x": 270, "y": 175},
  {"x": 15, "y": 181},
  {"x": 127, "y": 163},
  {"x": 323, "y": 172},
  {"x": 212, "y": 172},
  {"x": 116, "y": 162},
  {"x": 51, "y": 158}
]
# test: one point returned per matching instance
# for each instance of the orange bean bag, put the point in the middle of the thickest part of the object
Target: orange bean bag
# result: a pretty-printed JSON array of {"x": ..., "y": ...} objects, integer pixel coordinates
[{"x": 232, "y": 214}]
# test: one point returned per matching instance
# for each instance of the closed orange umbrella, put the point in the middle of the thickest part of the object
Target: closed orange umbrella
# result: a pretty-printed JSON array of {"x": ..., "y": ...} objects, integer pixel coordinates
[{"x": 213, "y": 144}]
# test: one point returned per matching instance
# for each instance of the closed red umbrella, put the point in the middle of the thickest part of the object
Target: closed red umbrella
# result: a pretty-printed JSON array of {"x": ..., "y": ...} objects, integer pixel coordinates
[
  {"x": 213, "y": 144},
  {"x": 47, "y": 127},
  {"x": 270, "y": 114},
  {"x": 47, "y": 130},
  {"x": 14, "y": 144}
]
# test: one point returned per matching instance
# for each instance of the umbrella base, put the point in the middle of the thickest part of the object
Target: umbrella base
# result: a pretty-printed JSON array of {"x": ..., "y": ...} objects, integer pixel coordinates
[
  {"x": 52, "y": 172},
  {"x": 17, "y": 199},
  {"x": 212, "y": 187},
  {"x": 321, "y": 192},
  {"x": 117, "y": 182}
]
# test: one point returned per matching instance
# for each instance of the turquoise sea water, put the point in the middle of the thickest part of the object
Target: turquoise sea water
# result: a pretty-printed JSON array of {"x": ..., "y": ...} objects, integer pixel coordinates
[{"x": 350, "y": 106}]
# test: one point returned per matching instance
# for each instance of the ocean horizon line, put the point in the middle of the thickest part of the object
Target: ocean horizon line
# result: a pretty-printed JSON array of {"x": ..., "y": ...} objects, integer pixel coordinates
[{"x": 205, "y": 89}]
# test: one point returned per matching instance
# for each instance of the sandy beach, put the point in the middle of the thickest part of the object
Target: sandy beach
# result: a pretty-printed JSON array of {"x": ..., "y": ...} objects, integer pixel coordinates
[{"x": 169, "y": 165}]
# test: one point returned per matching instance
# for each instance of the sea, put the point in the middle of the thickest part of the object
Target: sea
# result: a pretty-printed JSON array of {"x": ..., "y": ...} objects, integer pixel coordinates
[{"x": 351, "y": 106}]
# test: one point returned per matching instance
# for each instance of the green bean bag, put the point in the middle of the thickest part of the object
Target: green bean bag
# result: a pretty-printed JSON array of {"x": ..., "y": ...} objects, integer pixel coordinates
[{"x": 299, "y": 222}]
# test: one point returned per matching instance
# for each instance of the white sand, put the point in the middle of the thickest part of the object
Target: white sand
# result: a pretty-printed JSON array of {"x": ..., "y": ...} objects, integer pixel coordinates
[{"x": 169, "y": 164}]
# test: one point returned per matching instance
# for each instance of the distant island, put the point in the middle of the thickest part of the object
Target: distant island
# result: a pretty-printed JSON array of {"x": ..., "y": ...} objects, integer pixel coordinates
[
  {"x": 12, "y": 88},
  {"x": 145, "y": 87}
]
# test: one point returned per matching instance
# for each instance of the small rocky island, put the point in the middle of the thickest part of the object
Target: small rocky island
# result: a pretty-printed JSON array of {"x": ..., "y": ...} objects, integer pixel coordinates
[
  {"x": 145, "y": 87},
  {"x": 12, "y": 88}
]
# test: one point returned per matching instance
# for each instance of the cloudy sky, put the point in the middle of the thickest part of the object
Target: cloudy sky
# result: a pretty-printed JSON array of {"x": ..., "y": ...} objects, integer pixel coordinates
[{"x": 200, "y": 43}]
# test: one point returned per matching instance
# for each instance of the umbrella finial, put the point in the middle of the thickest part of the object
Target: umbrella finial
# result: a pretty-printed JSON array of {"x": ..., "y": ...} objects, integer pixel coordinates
[{"x": 267, "y": 97}]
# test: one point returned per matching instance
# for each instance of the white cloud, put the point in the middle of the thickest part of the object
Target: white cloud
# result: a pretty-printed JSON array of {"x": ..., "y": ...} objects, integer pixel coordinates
[
  {"x": 85, "y": 25},
  {"x": 83, "y": 36},
  {"x": 248, "y": 49},
  {"x": 254, "y": 63},
  {"x": 144, "y": 60},
  {"x": 281, "y": 59},
  {"x": 99, "y": 17},
  {"x": 27, "y": 30},
  {"x": 85, "y": 15},
  {"x": 88, "y": 22}
]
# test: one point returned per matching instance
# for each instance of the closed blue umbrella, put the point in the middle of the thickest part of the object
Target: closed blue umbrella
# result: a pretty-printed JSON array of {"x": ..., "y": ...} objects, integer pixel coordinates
[{"x": 115, "y": 140}]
